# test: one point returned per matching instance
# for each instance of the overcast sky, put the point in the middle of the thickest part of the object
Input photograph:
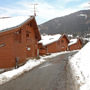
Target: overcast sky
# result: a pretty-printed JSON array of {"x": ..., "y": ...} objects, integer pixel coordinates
[{"x": 46, "y": 9}]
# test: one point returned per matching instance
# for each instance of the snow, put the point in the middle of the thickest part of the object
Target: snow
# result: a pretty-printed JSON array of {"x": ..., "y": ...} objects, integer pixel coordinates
[
  {"x": 88, "y": 39},
  {"x": 80, "y": 64},
  {"x": 70, "y": 35},
  {"x": 9, "y": 75},
  {"x": 88, "y": 34},
  {"x": 47, "y": 64},
  {"x": 6, "y": 23},
  {"x": 72, "y": 41},
  {"x": 47, "y": 39},
  {"x": 85, "y": 15},
  {"x": 30, "y": 64}
]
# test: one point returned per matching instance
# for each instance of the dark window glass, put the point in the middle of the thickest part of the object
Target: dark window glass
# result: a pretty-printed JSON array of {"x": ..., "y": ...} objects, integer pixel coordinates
[
  {"x": 27, "y": 33},
  {"x": 18, "y": 36},
  {"x": 62, "y": 41}
]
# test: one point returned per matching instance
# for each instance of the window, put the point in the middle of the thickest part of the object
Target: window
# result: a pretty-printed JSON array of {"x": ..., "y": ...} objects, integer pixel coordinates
[
  {"x": 78, "y": 47},
  {"x": 27, "y": 34},
  {"x": 2, "y": 45},
  {"x": 18, "y": 36},
  {"x": 28, "y": 48},
  {"x": 62, "y": 41},
  {"x": 41, "y": 48},
  {"x": 18, "y": 32},
  {"x": 63, "y": 46},
  {"x": 30, "y": 24}
]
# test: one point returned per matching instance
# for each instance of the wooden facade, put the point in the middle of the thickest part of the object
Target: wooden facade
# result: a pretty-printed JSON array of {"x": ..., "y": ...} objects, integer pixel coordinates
[
  {"x": 42, "y": 49},
  {"x": 19, "y": 43},
  {"x": 60, "y": 45},
  {"x": 57, "y": 46},
  {"x": 75, "y": 46}
]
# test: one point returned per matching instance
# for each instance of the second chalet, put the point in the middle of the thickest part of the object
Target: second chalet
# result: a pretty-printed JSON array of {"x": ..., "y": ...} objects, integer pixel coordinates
[{"x": 53, "y": 43}]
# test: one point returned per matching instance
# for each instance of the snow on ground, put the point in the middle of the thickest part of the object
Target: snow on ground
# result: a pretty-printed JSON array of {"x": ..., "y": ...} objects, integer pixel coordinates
[
  {"x": 9, "y": 75},
  {"x": 6, "y": 23},
  {"x": 47, "y": 39},
  {"x": 85, "y": 15},
  {"x": 72, "y": 41},
  {"x": 80, "y": 65},
  {"x": 88, "y": 39}
]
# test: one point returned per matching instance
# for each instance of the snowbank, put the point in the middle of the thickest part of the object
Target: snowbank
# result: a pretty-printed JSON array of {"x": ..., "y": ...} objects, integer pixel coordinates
[
  {"x": 9, "y": 75},
  {"x": 80, "y": 65}
]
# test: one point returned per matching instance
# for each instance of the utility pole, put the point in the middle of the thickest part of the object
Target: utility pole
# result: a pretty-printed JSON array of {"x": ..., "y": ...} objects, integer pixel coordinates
[{"x": 35, "y": 4}]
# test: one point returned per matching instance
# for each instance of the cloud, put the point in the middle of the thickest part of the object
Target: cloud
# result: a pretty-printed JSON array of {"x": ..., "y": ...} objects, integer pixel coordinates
[
  {"x": 71, "y": 0},
  {"x": 15, "y": 11},
  {"x": 67, "y": 1},
  {"x": 45, "y": 10},
  {"x": 85, "y": 5}
]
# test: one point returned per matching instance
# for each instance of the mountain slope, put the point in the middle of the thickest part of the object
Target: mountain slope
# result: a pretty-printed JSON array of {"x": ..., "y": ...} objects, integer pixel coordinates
[{"x": 73, "y": 23}]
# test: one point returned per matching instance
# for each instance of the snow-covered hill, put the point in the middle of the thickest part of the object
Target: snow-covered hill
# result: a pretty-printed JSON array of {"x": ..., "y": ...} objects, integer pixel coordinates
[{"x": 80, "y": 65}]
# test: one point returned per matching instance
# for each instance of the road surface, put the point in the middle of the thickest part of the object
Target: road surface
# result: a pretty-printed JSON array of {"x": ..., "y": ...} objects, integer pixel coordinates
[{"x": 49, "y": 76}]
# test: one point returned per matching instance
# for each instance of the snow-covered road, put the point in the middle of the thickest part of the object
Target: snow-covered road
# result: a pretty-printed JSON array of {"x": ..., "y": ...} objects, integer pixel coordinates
[
  {"x": 51, "y": 75},
  {"x": 30, "y": 64}
]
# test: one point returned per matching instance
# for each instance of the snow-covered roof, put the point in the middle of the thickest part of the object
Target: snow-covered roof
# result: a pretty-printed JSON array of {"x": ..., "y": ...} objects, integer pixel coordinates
[
  {"x": 72, "y": 41},
  {"x": 80, "y": 64},
  {"x": 47, "y": 39},
  {"x": 70, "y": 35},
  {"x": 7, "y": 23}
]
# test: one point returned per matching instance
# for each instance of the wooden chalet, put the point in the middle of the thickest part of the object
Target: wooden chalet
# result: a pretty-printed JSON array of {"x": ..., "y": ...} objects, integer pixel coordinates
[
  {"x": 19, "y": 38},
  {"x": 55, "y": 43},
  {"x": 42, "y": 49},
  {"x": 75, "y": 44}
]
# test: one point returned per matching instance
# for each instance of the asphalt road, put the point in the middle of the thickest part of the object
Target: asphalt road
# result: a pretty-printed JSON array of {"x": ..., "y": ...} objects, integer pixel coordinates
[{"x": 49, "y": 76}]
